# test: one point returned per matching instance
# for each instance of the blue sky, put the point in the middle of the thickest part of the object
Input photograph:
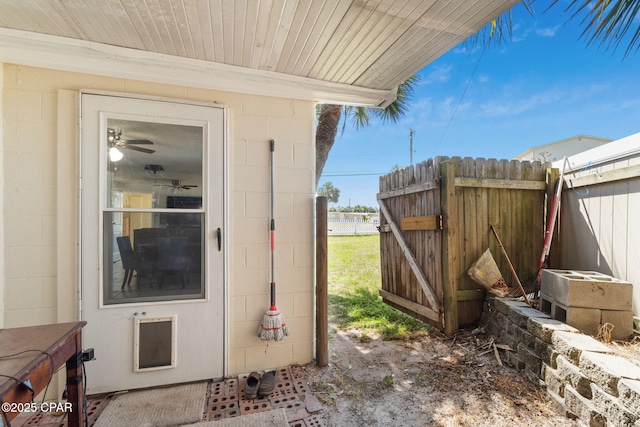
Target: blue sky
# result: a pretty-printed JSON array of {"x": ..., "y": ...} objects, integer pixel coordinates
[{"x": 544, "y": 85}]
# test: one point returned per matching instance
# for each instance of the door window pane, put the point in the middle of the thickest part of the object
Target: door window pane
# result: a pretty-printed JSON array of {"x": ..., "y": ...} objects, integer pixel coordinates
[
  {"x": 157, "y": 263},
  {"x": 154, "y": 217}
]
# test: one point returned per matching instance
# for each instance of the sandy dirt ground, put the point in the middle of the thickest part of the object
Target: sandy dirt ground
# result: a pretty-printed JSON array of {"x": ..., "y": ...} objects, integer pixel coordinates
[{"x": 432, "y": 381}]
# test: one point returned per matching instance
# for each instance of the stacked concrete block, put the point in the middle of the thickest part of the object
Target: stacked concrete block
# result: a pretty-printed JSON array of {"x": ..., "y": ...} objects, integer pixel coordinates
[
  {"x": 572, "y": 345},
  {"x": 570, "y": 374},
  {"x": 606, "y": 370},
  {"x": 587, "y": 300},
  {"x": 509, "y": 321},
  {"x": 612, "y": 408},
  {"x": 585, "y": 380},
  {"x": 583, "y": 408}
]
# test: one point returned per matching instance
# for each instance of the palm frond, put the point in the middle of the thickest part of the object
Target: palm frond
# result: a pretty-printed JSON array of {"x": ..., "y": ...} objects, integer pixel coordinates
[
  {"x": 607, "y": 21},
  {"x": 497, "y": 31},
  {"x": 400, "y": 106},
  {"x": 359, "y": 117}
]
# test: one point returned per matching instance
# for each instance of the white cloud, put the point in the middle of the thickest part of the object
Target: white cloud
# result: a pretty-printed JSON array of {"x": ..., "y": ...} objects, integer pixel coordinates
[
  {"x": 509, "y": 106},
  {"x": 519, "y": 35},
  {"x": 598, "y": 88},
  {"x": 421, "y": 109},
  {"x": 465, "y": 49},
  {"x": 436, "y": 74},
  {"x": 451, "y": 108},
  {"x": 428, "y": 112},
  {"x": 483, "y": 78},
  {"x": 423, "y": 105},
  {"x": 547, "y": 32}
]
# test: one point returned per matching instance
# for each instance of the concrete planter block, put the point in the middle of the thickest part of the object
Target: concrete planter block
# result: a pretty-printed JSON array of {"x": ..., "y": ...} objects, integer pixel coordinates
[
  {"x": 502, "y": 305},
  {"x": 497, "y": 332},
  {"x": 554, "y": 382},
  {"x": 586, "y": 320},
  {"x": 530, "y": 359},
  {"x": 494, "y": 330},
  {"x": 545, "y": 352},
  {"x": 572, "y": 345},
  {"x": 606, "y": 370},
  {"x": 512, "y": 359},
  {"x": 484, "y": 317},
  {"x": 509, "y": 340},
  {"x": 629, "y": 395},
  {"x": 583, "y": 408},
  {"x": 524, "y": 336},
  {"x": 570, "y": 374},
  {"x": 612, "y": 408},
  {"x": 501, "y": 321},
  {"x": 520, "y": 315},
  {"x": 533, "y": 377},
  {"x": 546, "y": 303},
  {"x": 622, "y": 322},
  {"x": 558, "y": 402},
  {"x": 587, "y": 289},
  {"x": 544, "y": 328}
]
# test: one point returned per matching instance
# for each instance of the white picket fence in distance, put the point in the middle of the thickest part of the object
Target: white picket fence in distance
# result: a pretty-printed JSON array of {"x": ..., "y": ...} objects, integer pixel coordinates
[{"x": 345, "y": 224}]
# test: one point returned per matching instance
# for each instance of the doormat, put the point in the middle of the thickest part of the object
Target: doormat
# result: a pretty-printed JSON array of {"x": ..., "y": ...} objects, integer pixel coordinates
[
  {"x": 171, "y": 406},
  {"x": 275, "y": 418}
]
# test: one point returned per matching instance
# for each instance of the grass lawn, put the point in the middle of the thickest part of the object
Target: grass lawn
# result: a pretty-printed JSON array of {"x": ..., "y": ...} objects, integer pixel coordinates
[{"x": 354, "y": 282}]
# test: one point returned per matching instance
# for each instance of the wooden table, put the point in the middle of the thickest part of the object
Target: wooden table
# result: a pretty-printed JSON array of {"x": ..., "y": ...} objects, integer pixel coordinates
[{"x": 36, "y": 352}]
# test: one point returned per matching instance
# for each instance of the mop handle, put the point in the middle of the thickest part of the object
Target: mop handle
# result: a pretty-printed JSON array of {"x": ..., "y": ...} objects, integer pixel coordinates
[
  {"x": 273, "y": 235},
  {"x": 272, "y": 230},
  {"x": 273, "y": 221},
  {"x": 273, "y": 296}
]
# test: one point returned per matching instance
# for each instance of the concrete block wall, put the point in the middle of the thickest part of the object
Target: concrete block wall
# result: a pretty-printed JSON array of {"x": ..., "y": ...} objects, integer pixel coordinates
[
  {"x": 582, "y": 375},
  {"x": 39, "y": 215}
]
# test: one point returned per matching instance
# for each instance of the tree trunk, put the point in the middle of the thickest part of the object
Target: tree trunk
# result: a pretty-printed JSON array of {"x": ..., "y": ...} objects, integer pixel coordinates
[{"x": 326, "y": 134}]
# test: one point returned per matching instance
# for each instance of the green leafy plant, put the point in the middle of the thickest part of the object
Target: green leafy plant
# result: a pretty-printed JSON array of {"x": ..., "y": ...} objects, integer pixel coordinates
[{"x": 387, "y": 381}]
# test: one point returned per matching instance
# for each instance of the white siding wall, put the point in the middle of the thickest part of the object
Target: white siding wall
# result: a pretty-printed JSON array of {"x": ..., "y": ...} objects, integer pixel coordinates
[
  {"x": 2, "y": 287},
  {"x": 600, "y": 228},
  {"x": 38, "y": 141}
]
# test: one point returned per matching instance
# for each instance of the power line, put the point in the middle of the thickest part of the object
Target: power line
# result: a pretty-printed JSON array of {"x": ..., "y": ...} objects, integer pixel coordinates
[
  {"x": 463, "y": 94},
  {"x": 354, "y": 174},
  {"x": 379, "y": 154}
]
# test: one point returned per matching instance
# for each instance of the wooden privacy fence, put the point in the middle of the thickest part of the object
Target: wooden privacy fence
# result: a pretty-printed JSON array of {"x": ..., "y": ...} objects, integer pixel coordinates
[{"x": 435, "y": 222}]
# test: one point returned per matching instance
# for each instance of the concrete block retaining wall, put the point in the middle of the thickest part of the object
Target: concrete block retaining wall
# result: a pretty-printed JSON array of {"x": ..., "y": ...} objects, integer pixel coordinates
[{"x": 587, "y": 381}]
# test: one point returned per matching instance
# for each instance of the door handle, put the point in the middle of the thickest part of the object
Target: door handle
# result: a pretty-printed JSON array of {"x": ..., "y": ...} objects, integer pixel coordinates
[{"x": 219, "y": 233}]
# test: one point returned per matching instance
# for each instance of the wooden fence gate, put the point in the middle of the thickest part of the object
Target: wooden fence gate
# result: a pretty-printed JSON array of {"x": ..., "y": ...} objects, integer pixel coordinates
[{"x": 435, "y": 222}]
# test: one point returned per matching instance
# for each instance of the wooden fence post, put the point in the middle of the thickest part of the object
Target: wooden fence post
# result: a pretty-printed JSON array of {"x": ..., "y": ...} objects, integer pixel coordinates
[
  {"x": 450, "y": 247},
  {"x": 322, "y": 294}
]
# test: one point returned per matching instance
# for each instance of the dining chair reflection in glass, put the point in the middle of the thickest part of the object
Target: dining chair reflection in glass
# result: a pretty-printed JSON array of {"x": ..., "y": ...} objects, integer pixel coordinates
[
  {"x": 172, "y": 258},
  {"x": 132, "y": 263}
]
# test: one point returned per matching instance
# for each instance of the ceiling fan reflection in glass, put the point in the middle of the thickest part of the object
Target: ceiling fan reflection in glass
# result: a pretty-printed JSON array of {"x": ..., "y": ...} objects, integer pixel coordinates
[
  {"x": 116, "y": 143},
  {"x": 176, "y": 185}
]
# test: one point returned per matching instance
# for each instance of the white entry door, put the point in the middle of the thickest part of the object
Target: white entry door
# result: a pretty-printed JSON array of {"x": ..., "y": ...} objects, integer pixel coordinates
[{"x": 152, "y": 249}]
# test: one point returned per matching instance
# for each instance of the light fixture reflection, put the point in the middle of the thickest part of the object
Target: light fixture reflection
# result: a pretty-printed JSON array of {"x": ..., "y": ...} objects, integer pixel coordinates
[
  {"x": 153, "y": 170},
  {"x": 115, "y": 155}
]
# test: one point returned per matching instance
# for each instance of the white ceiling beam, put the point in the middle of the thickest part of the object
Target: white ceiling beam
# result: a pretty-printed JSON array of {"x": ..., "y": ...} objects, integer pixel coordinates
[{"x": 61, "y": 53}]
